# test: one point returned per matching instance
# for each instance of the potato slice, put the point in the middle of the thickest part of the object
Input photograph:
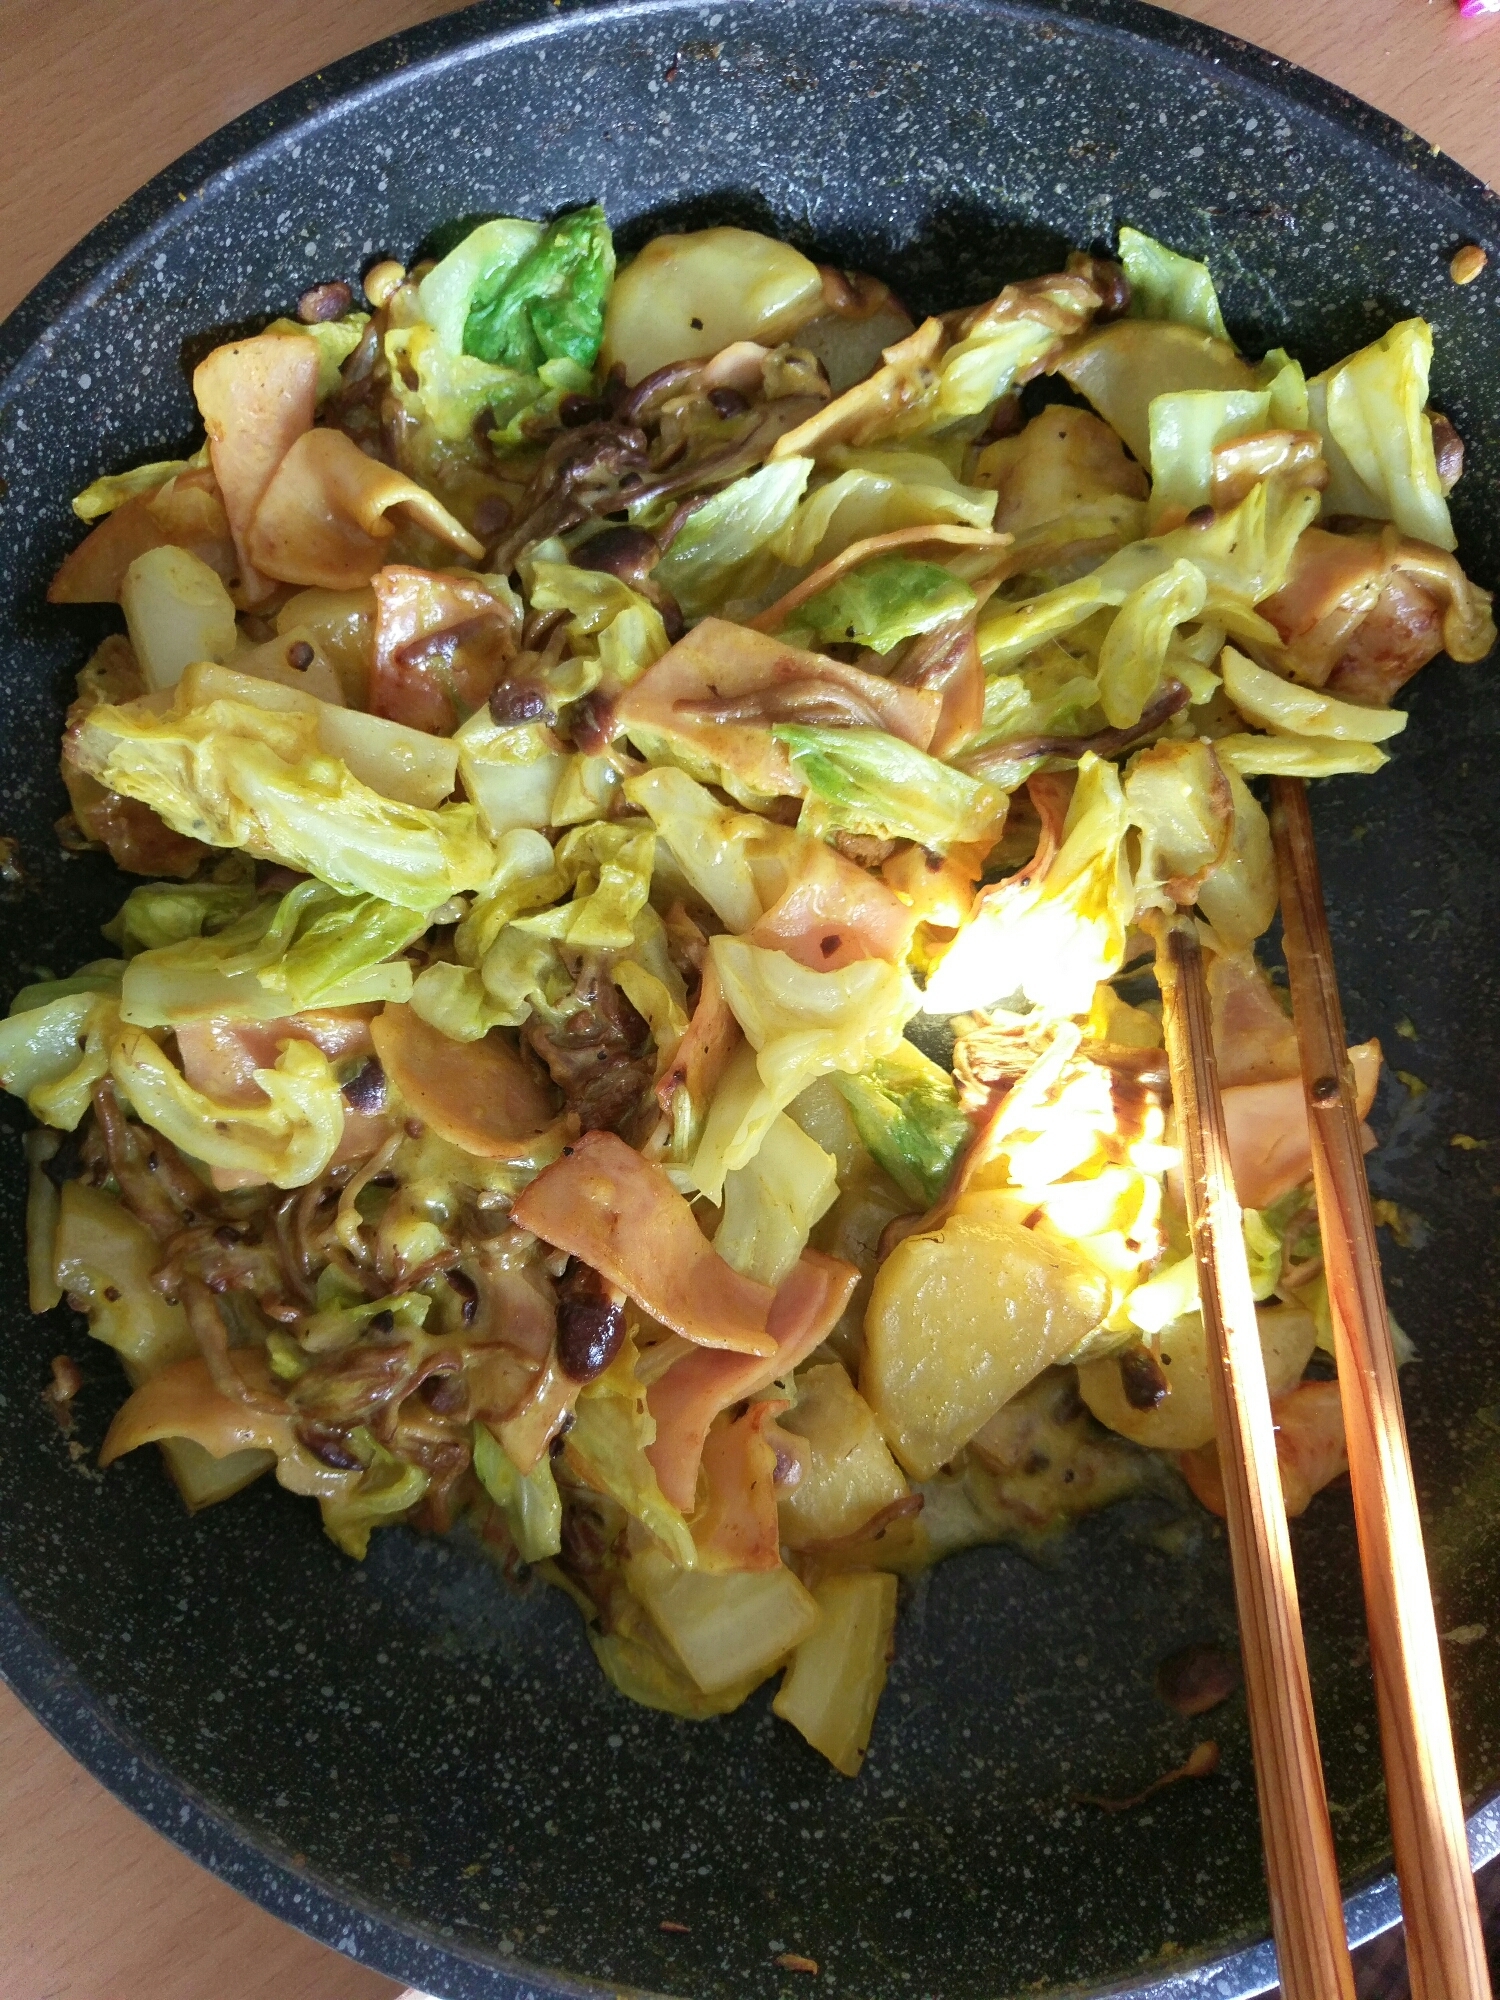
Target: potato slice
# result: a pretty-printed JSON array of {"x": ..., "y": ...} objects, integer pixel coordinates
[
  {"x": 834, "y": 1684},
  {"x": 849, "y": 1475},
  {"x": 686, "y": 297},
  {"x": 961, "y": 1319},
  {"x": 1184, "y": 1417},
  {"x": 724, "y": 1628}
]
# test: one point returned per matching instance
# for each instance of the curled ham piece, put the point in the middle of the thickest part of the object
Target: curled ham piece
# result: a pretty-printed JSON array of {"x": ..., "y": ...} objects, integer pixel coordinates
[
  {"x": 1360, "y": 614},
  {"x": 686, "y": 1399},
  {"x": 257, "y": 398},
  {"x": 1270, "y": 1144},
  {"x": 477, "y": 1095},
  {"x": 324, "y": 516},
  {"x": 1310, "y": 1450},
  {"x": 832, "y": 913},
  {"x": 702, "y": 1056},
  {"x": 721, "y": 687},
  {"x": 605, "y": 1205},
  {"x": 184, "y": 512},
  {"x": 1254, "y": 1040},
  {"x": 441, "y": 645},
  {"x": 739, "y": 1527},
  {"x": 220, "y": 1058}
]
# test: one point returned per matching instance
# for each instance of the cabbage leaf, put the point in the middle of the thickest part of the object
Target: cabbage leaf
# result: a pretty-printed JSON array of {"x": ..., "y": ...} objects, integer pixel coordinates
[
  {"x": 1371, "y": 411},
  {"x": 162, "y": 913},
  {"x": 864, "y": 781},
  {"x": 52, "y": 1055},
  {"x": 1186, "y": 429},
  {"x": 548, "y": 305},
  {"x": 234, "y": 774},
  {"x": 799, "y": 1025},
  {"x": 880, "y": 604},
  {"x": 530, "y": 1501},
  {"x": 288, "y": 1140},
  {"x": 312, "y": 947},
  {"x": 772, "y": 1203},
  {"x": 706, "y": 556},
  {"x": 1055, "y": 937},
  {"x": 1288, "y": 709},
  {"x": 907, "y": 1113},
  {"x": 1165, "y": 285}
]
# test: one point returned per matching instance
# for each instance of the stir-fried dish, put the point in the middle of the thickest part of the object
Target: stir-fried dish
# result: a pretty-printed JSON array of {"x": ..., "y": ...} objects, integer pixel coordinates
[{"x": 592, "y": 739}]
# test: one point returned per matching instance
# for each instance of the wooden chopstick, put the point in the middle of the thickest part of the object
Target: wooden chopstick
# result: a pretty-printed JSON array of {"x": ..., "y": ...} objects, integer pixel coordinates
[
  {"x": 1307, "y": 1911},
  {"x": 1444, "y": 1940}
]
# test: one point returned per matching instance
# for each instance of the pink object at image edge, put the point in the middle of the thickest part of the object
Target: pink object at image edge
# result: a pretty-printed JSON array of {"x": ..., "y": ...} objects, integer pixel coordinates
[{"x": 1472, "y": 9}]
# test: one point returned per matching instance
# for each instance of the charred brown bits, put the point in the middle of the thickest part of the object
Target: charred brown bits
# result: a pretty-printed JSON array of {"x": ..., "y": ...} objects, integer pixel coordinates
[
  {"x": 1197, "y": 1679},
  {"x": 330, "y": 301},
  {"x": 1141, "y": 1378}
]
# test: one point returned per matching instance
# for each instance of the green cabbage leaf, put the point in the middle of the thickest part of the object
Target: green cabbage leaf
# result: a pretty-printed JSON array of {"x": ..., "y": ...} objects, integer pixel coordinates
[
  {"x": 879, "y": 604},
  {"x": 312, "y": 947},
  {"x": 1164, "y": 285},
  {"x": 1371, "y": 411},
  {"x": 906, "y": 1111},
  {"x": 548, "y": 305},
  {"x": 865, "y": 781}
]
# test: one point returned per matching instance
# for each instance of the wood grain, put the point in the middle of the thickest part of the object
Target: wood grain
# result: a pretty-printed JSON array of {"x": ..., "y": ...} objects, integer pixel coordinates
[
  {"x": 1444, "y": 1945},
  {"x": 106, "y": 92},
  {"x": 95, "y": 1906},
  {"x": 1302, "y": 1871}
]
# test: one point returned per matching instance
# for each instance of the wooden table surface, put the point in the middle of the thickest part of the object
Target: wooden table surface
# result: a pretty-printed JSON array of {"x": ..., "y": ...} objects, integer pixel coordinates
[{"x": 93, "y": 1904}]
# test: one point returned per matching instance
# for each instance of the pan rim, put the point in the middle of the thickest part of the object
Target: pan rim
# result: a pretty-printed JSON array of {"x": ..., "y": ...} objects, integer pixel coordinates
[{"x": 37, "y": 1671}]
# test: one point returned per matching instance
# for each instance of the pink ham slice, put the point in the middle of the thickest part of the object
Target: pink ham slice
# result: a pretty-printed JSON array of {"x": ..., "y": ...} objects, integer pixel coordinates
[
  {"x": 834, "y": 913},
  {"x": 607, "y": 1206},
  {"x": 257, "y": 398},
  {"x": 685, "y": 1401},
  {"x": 220, "y": 1058},
  {"x": 1270, "y": 1145},
  {"x": 722, "y": 687}
]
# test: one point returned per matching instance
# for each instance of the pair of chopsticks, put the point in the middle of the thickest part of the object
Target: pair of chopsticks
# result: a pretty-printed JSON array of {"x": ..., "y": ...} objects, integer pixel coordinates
[{"x": 1445, "y": 1946}]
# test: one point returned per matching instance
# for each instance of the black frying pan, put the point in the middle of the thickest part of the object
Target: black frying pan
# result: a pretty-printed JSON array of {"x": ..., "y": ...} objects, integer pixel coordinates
[{"x": 405, "y": 1759}]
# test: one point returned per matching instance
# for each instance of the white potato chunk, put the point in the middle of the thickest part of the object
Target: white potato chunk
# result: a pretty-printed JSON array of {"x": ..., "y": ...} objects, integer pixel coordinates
[
  {"x": 1183, "y": 1418},
  {"x": 686, "y": 297},
  {"x": 961, "y": 1319}
]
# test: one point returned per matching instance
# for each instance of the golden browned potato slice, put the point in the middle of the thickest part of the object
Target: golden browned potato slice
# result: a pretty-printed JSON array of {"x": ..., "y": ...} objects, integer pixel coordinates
[
  {"x": 963, "y": 1317},
  {"x": 1184, "y": 1418}
]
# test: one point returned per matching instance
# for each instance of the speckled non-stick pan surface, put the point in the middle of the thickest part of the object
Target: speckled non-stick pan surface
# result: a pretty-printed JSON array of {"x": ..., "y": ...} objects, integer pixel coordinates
[{"x": 405, "y": 1759}]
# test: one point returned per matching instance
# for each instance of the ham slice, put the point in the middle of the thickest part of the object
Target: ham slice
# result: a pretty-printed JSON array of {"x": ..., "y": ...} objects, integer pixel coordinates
[
  {"x": 702, "y": 1056},
  {"x": 1310, "y": 1450},
  {"x": 833, "y": 913},
  {"x": 257, "y": 398},
  {"x": 441, "y": 644},
  {"x": 605, "y": 1205},
  {"x": 323, "y": 518},
  {"x": 1270, "y": 1145},
  {"x": 722, "y": 687},
  {"x": 477, "y": 1095},
  {"x": 686, "y": 1399},
  {"x": 739, "y": 1527}
]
